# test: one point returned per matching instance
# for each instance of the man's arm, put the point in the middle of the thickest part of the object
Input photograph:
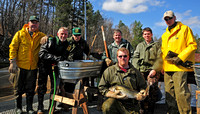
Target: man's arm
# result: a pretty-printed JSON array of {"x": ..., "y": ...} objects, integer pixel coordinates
[
  {"x": 14, "y": 46},
  {"x": 136, "y": 57},
  {"x": 46, "y": 51},
  {"x": 191, "y": 45}
]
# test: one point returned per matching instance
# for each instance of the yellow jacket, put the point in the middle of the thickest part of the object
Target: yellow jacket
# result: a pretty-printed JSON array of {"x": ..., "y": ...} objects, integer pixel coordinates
[
  {"x": 26, "y": 48},
  {"x": 181, "y": 41}
]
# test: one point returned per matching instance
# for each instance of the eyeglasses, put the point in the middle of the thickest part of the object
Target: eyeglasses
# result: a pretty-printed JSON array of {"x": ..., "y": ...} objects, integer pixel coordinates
[
  {"x": 120, "y": 56},
  {"x": 167, "y": 19}
]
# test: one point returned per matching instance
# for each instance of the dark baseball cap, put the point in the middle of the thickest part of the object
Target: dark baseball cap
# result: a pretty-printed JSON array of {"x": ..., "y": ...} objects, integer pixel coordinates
[{"x": 34, "y": 18}]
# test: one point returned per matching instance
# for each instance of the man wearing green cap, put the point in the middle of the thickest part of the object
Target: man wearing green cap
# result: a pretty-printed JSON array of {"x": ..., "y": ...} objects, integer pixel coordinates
[
  {"x": 23, "y": 56},
  {"x": 77, "y": 46}
]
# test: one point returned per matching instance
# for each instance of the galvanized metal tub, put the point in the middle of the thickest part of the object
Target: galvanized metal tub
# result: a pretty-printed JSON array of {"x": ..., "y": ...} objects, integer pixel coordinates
[
  {"x": 197, "y": 74},
  {"x": 79, "y": 69}
]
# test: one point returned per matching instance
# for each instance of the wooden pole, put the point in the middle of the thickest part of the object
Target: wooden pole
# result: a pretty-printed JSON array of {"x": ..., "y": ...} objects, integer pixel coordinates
[{"x": 104, "y": 40}]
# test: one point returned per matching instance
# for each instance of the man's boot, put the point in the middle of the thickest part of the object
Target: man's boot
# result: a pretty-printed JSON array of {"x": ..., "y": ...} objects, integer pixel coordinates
[
  {"x": 29, "y": 103},
  {"x": 18, "y": 103},
  {"x": 40, "y": 104}
]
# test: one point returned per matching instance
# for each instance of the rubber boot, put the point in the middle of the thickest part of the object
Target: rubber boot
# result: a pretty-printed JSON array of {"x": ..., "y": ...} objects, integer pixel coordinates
[
  {"x": 18, "y": 103},
  {"x": 29, "y": 103},
  {"x": 40, "y": 104}
]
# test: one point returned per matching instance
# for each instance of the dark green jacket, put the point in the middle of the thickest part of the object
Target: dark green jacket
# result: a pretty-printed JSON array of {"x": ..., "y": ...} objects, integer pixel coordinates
[
  {"x": 76, "y": 49},
  {"x": 52, "y": 50},
  {"x": 113, "y": 47},
  {"x": 113, "y": 75},
  {"x": 147, "y": 57}
]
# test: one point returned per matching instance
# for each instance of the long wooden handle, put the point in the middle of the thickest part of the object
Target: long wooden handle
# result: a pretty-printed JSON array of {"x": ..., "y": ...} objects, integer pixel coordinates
[
  {"x": 91, "y": 46},
  {"x": 104, "y": 40}
]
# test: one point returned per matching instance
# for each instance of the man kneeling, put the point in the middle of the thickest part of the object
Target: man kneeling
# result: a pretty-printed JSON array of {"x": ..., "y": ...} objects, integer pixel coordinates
[{"x": 123, "y": 100}]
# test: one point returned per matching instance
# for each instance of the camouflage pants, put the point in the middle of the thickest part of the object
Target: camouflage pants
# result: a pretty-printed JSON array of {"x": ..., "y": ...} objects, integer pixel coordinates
[
  {"x": 113, "y": 106},
  {"x": 178, "y": 96}
]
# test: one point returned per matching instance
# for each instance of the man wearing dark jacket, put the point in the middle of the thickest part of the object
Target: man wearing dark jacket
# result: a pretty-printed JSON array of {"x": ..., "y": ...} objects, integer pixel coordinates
[
  {"x": 51, "y": 52},
  {"x": 77, "y": 45}
]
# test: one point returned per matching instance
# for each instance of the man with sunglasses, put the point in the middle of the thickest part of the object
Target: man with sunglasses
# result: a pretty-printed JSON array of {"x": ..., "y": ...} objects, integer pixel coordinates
[
  {"x": 122, "y": 73},
  {"x": 178, "y": 47},
  {"x": 147, "y": 59},
  {"x": 77, "y": 45},
  {"x": 23, "y": 56}
]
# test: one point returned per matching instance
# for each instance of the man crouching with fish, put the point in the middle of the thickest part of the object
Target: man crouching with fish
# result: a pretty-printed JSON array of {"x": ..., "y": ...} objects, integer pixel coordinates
[{"x": 123, "y": 85}]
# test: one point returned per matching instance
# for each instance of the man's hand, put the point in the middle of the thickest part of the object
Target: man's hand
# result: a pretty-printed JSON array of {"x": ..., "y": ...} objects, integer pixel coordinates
[
  {"x": 152, "y": 73},
  {"x": 108, "y": 62},
  {"x": 141, "y": 95},
  {"x": 151, "y": 79},
  {"x": 117, "y": 95},
  {"x": 175, "y": 60},
  {"x": 13, "y": 66},
  {"x": 43, "y": 40}
]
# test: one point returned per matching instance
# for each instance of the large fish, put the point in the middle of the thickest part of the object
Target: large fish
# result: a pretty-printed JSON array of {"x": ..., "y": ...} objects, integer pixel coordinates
[{"x": 125, "y": 90}]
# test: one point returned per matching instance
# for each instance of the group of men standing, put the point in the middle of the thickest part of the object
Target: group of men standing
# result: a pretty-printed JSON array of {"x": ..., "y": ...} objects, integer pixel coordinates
[
  {"x": 28, "y": 52},
  {"x": 172, "y": 57}
]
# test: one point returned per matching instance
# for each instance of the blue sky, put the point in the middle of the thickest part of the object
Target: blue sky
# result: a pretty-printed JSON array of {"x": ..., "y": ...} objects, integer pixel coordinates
[{"x": 150, "y": 12}]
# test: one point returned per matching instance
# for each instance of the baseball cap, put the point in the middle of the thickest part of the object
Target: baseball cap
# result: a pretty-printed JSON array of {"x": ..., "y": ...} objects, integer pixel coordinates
[
  {"x": 168, "y": 14},
  {"x": 76, "y": 31},
  {"x": 33, "y": 18}
]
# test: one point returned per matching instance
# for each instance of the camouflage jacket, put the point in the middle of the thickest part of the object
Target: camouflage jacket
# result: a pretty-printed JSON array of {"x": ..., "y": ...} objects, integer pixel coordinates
[
  {"x": 113, "y": 75},
  {"x": 76, "y": 49},
  {"x": 147, "y": 57}
]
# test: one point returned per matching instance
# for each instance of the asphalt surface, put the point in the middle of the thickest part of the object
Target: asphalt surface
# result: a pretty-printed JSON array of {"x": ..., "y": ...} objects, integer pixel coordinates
[{"x": 7, "y": 100}]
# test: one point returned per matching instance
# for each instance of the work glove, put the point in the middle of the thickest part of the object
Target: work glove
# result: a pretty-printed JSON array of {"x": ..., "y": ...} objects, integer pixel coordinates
[
  {"x": 116, "y": 94},
  {"x": 187, "y": 64},
  {"x": 175, "y": 60},
  {"x": 141, "y": 95},
  {"x": 44, "y": 40},
  {"x": 108, "y": 62},
  {"x": 13, "y": 66}
]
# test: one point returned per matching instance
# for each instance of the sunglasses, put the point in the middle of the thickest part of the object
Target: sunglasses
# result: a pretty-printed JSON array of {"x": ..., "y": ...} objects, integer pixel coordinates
[
  {"x": 120, "y": 56},
  {"x": 167, "y": 19}
]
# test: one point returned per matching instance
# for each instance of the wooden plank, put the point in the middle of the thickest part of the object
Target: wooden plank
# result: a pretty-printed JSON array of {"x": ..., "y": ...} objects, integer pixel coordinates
[
  {"x": 198, "y": 101},
  {"x": 65, "y": 100}
]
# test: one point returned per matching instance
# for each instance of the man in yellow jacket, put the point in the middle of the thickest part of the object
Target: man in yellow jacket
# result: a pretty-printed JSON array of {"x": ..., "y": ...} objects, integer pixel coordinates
[
  {"x": 23, "y": 56},
  {"x": 178, "y": 51}
]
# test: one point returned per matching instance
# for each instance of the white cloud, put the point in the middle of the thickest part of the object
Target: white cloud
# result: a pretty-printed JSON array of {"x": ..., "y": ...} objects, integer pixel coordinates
[
  {"x": 128, "y": 6},
  {"x": 194, "y": 22}
]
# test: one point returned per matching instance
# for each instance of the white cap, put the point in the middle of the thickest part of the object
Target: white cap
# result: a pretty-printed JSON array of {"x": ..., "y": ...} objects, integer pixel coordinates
[{"x": 168, "y": 14}]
